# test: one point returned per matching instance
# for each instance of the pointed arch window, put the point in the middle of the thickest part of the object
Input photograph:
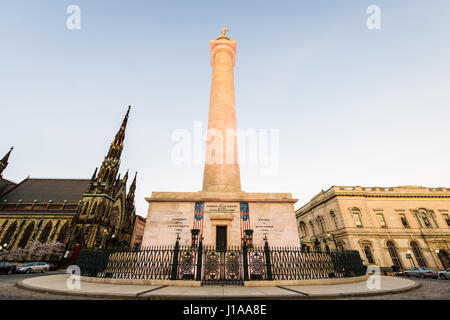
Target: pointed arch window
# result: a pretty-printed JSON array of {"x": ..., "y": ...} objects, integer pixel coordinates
[
  {"x": 9, "y": 233},
  {"x": 45, "y": 232},
  {"x": 62, "y": 233},
  {"x": 26, "y": 235}
]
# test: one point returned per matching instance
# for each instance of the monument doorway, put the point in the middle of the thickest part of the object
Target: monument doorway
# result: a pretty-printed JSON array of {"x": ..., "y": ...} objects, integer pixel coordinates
[{"x": 221, "y": 238}]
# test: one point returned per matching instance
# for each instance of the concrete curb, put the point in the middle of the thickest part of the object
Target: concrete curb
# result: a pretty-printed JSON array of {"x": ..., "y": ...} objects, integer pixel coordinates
[{"x": 21, "y": 285}]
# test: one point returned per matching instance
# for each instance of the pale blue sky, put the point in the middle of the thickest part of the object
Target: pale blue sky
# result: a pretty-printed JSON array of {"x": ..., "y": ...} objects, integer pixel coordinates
[{"x": 354, "y": 106}]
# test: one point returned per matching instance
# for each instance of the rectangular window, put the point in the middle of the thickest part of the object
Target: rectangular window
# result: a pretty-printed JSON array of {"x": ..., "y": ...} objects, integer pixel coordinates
[
  {"x": 403, "y": 219},
  {"x": 357, "y": 219},
  {"x": 381, "y": 220},
  {"x": 446, "y": 218}
]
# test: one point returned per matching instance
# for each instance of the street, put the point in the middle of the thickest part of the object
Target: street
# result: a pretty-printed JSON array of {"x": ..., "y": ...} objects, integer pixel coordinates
[
  {"x": 430, "y": 289},
  {"x": 8, "y": 290}
]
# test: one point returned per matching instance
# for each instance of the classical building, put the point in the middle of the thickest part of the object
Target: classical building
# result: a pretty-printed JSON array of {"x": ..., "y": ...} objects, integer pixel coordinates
[
  {"x": 401, "y": 226},
  {"x": 138, "y": 232},
  {"x": 80, "y": 213},
  {"x": 221, "y": 213}
]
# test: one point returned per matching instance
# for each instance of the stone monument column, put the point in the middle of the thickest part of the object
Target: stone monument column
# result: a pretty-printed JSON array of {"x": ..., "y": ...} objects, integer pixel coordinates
[{"x": 221, "y": 172}]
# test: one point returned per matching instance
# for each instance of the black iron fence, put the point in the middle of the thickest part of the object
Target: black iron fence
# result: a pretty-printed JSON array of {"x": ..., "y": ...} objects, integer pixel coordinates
[{"x": 212, "y": 266}]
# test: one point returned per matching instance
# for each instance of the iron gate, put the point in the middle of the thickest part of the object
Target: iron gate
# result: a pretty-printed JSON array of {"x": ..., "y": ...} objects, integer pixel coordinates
[{"x": 222, "y": 267}]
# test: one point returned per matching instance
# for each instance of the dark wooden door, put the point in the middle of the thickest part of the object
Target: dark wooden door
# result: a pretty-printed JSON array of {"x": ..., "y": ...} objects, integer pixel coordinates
[
  {"x": 445, "y": 260},
  {"x": 221, "y": 238}
]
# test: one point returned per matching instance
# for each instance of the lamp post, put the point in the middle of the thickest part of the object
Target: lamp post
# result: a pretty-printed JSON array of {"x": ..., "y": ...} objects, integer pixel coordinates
[
  {"x": 194, "y": 237},
  {"x": 334, "y": 239},
  {"x": 248, "y": 238},
  {"x": 409, "y": 256},
  {"x": 317, "y": 244}
]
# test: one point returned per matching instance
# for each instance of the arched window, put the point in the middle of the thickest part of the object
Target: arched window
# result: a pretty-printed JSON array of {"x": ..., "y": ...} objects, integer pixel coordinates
[
  {"x": 321, "y": 224},
  {"x": 303, "y": 229},
  {"x": 419, "y": 258},
  {"x": 9, "y": 233},
  {"x": 62, "y": 233},
  {"x": 26, "y": 235},
  {"x": 3, "y": 226},
  {"x": 394, "y": 255},
  {"x": 368, "y": 253},
  {"x": 312, "y": 228},
  {"x": 333, "y": 217},
  {"x": 45, "y": 232}
]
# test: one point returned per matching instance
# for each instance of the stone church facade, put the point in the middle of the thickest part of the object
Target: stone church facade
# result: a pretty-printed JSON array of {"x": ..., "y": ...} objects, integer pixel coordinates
[
  {"x": 398, "y": 226},
  {"x": 80, "y": 213}
]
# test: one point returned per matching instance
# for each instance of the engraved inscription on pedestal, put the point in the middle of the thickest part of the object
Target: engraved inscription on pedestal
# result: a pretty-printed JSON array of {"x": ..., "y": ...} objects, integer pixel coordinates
[
  {"x": 178, "y": 224},
  {"x": 221, "y": 208},
  {"x": 264, "y": 226}
]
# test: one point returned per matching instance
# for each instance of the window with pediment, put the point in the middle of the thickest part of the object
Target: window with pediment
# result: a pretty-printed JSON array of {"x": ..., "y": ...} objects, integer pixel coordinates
[{"x": 356, "y": 214}]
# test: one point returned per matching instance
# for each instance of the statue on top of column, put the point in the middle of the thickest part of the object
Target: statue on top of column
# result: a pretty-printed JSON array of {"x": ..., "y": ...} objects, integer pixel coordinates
[{"x": 223, "y": 34}]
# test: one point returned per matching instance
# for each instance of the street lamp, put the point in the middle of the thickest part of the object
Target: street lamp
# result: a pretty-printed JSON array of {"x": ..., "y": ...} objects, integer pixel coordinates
[
  {"x": 334, "y": 239},
  {"x": 248, "y": 238},
  {"x": 194, "y": 235},
  {"x": 409, "y": 256},
  {"x": 317, "y": 244}
]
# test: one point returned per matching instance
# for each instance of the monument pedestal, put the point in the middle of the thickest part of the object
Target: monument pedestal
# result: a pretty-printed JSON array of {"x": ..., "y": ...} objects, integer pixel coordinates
[{"x": 174, "y": 213}]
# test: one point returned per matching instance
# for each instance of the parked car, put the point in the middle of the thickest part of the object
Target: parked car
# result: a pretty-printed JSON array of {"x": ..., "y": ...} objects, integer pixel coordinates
[
  {"x": 7, "y": 267},
  {"x": 421, "y": 272},
  {"x": 52, "y": 266},
  {"x": 33, "y": 267},
  {"x": 445, "y": 275}
]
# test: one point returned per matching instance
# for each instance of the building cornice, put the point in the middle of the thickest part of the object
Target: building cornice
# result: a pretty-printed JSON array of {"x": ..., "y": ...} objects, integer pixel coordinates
[{"x": 373, "y": 192}]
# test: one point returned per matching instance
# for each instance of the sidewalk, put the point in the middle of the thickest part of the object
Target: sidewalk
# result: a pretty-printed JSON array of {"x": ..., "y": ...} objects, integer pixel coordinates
[{"x": 56, "y": 284}]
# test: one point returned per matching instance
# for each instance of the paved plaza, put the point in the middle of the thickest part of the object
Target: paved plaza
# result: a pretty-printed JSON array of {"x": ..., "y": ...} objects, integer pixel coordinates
[{"x": 434, "y": 289}]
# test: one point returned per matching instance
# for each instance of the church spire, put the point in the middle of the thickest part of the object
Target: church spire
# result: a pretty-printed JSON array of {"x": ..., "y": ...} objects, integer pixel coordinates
[
  {"x": 110, "y": 166},
  {"x": 130, "y": 196},
  {"x": 115, "y": 150},
  {"x": 4, "y": 162},
  {"x": 132, "y": 187}
]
